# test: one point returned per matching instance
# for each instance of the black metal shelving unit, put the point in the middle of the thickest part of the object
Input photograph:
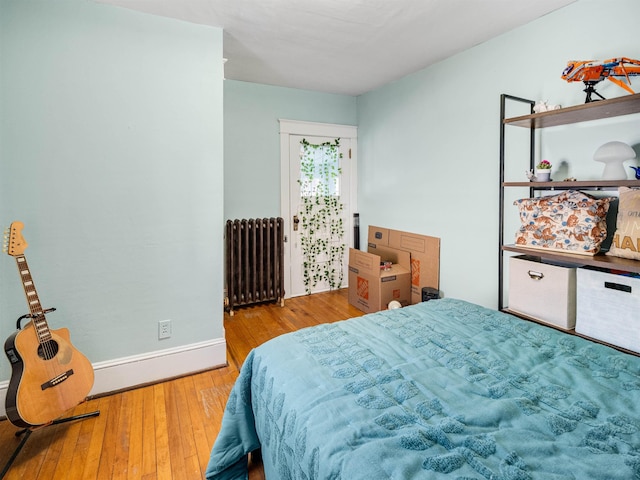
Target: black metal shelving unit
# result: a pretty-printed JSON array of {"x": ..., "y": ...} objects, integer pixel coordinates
[{"x": 602, "y": 109}]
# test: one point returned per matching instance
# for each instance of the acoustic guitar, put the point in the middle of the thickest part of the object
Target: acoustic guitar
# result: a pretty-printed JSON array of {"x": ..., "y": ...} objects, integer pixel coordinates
[{"x": 48, "y": 375}]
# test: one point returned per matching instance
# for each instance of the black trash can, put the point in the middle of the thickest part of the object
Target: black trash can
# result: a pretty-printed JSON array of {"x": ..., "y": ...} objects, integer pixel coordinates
[{"x": 429, "y": 293}]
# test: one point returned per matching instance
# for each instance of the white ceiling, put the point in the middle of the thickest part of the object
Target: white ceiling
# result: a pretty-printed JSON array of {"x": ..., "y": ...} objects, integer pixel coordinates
[{"x": 344, "y": 46}]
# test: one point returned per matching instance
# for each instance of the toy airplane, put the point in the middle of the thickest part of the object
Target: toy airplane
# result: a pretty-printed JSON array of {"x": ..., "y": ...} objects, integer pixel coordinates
[{"x": 591, "y": 72}]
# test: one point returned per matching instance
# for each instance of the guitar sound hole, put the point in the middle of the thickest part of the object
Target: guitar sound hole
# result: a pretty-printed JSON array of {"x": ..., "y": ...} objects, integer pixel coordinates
[{"x": 48, "y": 350}]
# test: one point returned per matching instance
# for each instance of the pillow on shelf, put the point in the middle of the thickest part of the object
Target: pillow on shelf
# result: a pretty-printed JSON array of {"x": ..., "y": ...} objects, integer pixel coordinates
[
  {"x": 626, "y": 240},
  {"x": 572, "y": 222}
]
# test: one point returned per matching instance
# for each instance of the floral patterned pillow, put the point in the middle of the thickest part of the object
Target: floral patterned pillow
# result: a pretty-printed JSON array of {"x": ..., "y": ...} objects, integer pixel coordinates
[{"x": 571, "y": 221}]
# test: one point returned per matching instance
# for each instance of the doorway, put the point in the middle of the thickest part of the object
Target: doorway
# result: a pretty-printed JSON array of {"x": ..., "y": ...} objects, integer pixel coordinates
[{"x": 297, "y": 139}]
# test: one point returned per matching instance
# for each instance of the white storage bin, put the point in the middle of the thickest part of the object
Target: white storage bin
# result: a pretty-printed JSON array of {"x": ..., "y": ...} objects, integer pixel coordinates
[
  {"x": 607, "y": 308},
  {"x": 544, "y": 291}
]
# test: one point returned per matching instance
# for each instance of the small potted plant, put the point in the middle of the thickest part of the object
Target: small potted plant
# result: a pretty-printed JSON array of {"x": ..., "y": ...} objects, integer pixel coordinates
[{"x": 543, "y": 171}]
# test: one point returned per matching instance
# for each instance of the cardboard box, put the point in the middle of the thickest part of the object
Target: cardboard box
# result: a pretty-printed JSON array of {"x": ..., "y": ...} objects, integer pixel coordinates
[
  {"x": 607, "y": 308},
  {"x": 424, "y": 251},
  {"x": 370, "y": 287},
  {"x": 544, "y": 291},
  {"x": 377, "y": 236}
]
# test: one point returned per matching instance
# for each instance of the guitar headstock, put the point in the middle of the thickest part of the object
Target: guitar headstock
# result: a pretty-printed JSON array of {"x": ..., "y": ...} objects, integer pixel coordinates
[{"x": 14, "y": 242}]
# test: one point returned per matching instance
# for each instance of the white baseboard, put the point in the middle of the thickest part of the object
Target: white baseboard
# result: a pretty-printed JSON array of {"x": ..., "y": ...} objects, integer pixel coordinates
[{"x": 129, "y": 372}]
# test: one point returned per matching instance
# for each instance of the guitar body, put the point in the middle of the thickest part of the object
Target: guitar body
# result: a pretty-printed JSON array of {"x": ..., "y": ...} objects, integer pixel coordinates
[{"x": 46, "y": 379}]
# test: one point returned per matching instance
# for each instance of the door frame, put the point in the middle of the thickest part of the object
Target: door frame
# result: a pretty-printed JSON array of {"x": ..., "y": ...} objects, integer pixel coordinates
[{"x": 312, "y": 129}]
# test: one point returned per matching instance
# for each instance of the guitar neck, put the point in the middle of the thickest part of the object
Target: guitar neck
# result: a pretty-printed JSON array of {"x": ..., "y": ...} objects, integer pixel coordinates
[{"x": 35, "y": 308}]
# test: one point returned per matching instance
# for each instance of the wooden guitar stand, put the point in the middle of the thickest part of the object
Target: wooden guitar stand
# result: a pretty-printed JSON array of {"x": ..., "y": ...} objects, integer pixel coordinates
[{"x": 28, "y": 431}]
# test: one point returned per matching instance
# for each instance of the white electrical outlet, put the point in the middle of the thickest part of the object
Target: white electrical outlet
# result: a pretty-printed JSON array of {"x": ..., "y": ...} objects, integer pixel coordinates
[{"x": 164, "y": 329}]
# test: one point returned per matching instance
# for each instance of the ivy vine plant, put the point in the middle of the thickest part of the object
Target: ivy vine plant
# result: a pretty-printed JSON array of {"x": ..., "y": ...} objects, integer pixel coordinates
[{"x": 322, "y": 225}]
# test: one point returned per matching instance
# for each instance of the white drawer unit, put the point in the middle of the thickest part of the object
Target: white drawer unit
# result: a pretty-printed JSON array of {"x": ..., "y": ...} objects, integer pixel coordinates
[
  {"x": 543, "y": 291},
  {"x": 607, "y": 308}
]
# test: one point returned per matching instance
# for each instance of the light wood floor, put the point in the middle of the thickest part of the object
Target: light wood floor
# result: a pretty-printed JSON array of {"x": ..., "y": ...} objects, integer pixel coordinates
[{"x": 163, "y": 431}]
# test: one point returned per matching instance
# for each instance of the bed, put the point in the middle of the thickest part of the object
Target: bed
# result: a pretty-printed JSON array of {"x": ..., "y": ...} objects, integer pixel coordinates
[{"x": 442, "y": 389}]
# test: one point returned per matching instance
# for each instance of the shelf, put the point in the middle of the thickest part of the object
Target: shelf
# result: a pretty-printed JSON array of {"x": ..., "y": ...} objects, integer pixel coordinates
[
  {"x": 587, "y": 112},
  {"x": 577, "y": 185},
  {"x": 615, "y": 107},
  {"x": 600, "y": 260},
  {"x": 603, "y": 109}
]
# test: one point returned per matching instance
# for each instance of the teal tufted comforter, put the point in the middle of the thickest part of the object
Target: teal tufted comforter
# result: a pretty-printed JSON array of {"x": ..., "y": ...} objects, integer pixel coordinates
[{"x": 442, "y": 389}]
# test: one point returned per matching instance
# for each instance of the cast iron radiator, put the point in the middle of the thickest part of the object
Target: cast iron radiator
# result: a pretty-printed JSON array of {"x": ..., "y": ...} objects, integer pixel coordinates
[{"x": 255, "y": 262}]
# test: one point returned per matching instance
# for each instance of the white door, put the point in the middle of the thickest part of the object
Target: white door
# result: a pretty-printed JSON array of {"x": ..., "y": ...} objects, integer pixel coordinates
[{"x": 303, "y": 278}]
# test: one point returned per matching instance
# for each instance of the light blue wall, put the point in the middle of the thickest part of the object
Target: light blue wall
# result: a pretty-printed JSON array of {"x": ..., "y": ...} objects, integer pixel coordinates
[
  {"x": 252, "y": 140},
  {"x": 429, "y": 143},
  {"x": 111, "y": 151}
]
